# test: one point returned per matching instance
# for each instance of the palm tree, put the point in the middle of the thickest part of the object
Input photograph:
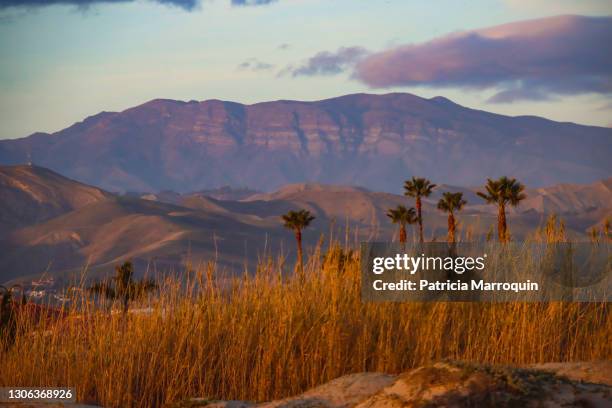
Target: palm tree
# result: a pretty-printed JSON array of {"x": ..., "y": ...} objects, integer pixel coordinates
[
  {"x": 297, "y": 221},
  {"x": 418, "y": 187},
  {"x": 451, "y": 202},
  {"x": 501, "y": 192},
  {"x": 125, "y": 288},
  {"x": 402, "y": 216}
]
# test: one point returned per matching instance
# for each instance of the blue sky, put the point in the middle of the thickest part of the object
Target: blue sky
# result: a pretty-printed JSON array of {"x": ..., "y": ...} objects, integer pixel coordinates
[{"x": 61, "y": 63}]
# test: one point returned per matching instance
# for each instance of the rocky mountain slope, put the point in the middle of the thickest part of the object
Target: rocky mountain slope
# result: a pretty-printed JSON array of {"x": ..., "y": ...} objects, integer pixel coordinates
[{"x": 375, "y": 141}]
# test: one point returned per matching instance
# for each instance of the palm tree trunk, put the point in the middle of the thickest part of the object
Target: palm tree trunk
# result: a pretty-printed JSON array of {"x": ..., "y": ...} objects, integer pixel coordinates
[
  {"x": 501, "y": 223},
  {"x": 451, "y": 228},
  {"x": 298, "y": 238},
  {"x": 402, "y": 234},
  {"x": 420, "y": 218}
]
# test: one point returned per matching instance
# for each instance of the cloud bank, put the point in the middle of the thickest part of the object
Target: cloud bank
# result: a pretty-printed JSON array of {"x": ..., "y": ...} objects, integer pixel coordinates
[
  {"x": 328, "y": 63},
  {"x": 255, "y": 65},
  {"x": 251, "y": 2},
  {"x": 184, "y": 4},
  {"x": 532, "y": 60}
]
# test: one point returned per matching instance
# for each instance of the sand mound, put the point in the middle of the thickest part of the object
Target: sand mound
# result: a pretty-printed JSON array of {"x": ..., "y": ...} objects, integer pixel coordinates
[{"x": 452, "y": 384}]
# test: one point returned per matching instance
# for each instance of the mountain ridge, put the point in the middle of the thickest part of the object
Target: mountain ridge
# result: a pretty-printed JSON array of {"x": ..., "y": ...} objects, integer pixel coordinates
[
  {"x": 438, "y": 98},
  {"x": 375, "y": 141}
]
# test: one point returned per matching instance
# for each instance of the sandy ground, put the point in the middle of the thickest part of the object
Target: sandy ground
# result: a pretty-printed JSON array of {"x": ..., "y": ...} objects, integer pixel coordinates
[
  {"x": 445, "y": 384},
  {"x": 451, "y": 384}
]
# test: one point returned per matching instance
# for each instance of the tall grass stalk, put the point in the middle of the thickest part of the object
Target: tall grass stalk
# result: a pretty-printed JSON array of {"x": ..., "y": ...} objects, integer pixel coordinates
[{"x": 267, "y": 335}]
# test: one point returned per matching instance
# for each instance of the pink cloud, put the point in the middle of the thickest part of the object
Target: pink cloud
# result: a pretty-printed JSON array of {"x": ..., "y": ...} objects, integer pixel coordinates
[{"x": 527, "y": 60}]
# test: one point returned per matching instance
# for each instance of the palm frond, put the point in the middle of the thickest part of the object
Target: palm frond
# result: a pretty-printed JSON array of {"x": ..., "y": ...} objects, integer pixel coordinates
[
  {"x": 418, "y": 187},
  {"x": 503, "y": 191},
  {"x": 402, "y": 215},
  {"x": 451, "y": 202},
  {"x": 297, "y": 220}
]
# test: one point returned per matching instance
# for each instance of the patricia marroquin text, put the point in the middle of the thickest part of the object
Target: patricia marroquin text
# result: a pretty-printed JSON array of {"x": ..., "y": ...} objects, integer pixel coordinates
[{"x": 488, "y": 272}]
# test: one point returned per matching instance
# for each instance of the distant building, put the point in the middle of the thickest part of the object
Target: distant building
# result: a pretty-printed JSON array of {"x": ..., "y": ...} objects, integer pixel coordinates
[
  {"x": 43, "y": 282},
  {"x": 36, "y": 293}
]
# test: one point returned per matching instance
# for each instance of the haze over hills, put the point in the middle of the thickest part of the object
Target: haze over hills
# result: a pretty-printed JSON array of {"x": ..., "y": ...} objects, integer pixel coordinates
[
  {"x": 375, "y": 141},
  {"x": 68, "y": 225}
]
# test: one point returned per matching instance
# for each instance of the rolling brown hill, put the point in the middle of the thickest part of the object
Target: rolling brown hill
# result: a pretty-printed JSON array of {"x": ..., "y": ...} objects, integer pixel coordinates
[
  {"x": 580, "y": 206},
  {"x": 571, "y": 198},
  {"x": 155, "y": 236},
  {"x": 31, "y": 194},
  {"x": 57, "y": 225},
  {"x": 82, "y": 226},
  {"x": 371, "y": 140}
]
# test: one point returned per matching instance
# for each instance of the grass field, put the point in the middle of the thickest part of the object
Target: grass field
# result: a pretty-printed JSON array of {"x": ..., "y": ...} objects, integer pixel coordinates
[{"x": 266, "y": 335}]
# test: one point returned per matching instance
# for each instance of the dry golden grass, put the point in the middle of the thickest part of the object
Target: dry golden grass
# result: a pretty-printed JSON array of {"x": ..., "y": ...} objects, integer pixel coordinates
[{"x": 268, "y": 336}]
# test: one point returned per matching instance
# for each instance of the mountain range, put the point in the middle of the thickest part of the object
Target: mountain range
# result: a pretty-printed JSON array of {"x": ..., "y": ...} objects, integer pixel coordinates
[
  {"x": 374, "y": 141},
  {"x": 56, "y": 225}
]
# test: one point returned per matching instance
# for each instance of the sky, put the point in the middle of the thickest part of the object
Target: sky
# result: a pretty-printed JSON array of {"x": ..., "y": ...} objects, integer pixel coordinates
[{"x": 64, "y": 60}]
